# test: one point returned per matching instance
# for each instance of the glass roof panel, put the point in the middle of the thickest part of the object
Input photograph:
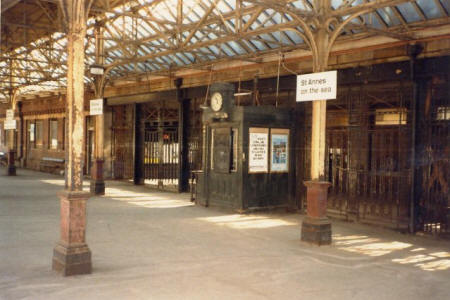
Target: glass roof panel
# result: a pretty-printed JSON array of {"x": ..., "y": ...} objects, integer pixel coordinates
[
  {"x": 226, "y": 50},
  {"x": 408, "y": 12},
  {"x": 236, "y": 47},
  {"x": 429, "y": 8},
  {"x": 446, "y": 4},
  {"x": 223, "y": 8},
  {"x": 388, "y": 16},
  {"x": 298, "y": 4}
]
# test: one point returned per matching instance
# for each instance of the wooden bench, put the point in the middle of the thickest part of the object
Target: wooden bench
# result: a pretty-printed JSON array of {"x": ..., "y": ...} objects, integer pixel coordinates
[{"x": 51, "y": 165}]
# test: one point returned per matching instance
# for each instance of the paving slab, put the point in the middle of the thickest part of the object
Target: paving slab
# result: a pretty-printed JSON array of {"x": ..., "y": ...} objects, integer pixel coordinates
[{"x": 154, "y": 245}]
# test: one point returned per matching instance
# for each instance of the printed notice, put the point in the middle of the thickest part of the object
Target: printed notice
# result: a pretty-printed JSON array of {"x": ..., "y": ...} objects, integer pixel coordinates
[
  {"x": 96, "y": 107},
  {"x": 9, "y": 114},
  {"x": 10, "y": 124},
  {"x": 317, "y": 86},
  {"x": 280, "y": 150},
  {"x": 258, "y": 150}
]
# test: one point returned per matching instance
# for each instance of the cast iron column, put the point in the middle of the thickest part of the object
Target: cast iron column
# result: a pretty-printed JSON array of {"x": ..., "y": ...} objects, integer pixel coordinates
[
  {"x": 316, "y": 228},
  {"x": 72, "y": 256},
  {"x": 183, "y": 115},
  {"x": 139, "y": 131},
  {"x": 11, "y": 169},
  {"x": 97, "y": 171}
]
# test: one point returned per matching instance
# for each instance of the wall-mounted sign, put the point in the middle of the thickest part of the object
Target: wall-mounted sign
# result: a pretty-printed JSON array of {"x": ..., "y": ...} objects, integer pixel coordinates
[
  {"x": 96, "y": 107},
  {"x": 258, "y": 148},
  {"x": 10, "y": 124},
  {"x": 9, "y": 114},
  {"x": 279, "y": 150},
  {"x": 317, "y": 86}
]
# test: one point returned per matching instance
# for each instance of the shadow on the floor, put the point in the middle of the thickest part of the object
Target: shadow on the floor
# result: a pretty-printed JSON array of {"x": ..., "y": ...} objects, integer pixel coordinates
[
  {"x": 400, "y": 252},
  {"x": 408, "y": 253}
]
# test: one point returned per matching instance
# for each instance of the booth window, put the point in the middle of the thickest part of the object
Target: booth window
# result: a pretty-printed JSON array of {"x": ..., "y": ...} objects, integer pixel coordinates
[
  {"x": 39, "y": 128},
  {"x": 53, "y": 134}
]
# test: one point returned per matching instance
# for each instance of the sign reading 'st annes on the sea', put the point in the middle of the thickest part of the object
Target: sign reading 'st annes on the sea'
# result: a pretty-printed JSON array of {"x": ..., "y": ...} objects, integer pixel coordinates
[{"x": 317, "y": 86}]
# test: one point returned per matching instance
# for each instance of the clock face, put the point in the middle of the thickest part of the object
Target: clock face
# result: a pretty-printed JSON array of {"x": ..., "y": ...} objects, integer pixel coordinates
[{"x": 216, "y": 101}]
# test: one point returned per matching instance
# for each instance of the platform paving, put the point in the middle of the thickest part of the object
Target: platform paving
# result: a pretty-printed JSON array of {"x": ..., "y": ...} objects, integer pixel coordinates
[{"x": 154, "y": 245}]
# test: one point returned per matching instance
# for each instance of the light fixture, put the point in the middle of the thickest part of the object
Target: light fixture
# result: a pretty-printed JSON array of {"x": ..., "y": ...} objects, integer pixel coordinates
[
  {"x": 242, "y": 94},
  {"x": 96, "y": 70}
]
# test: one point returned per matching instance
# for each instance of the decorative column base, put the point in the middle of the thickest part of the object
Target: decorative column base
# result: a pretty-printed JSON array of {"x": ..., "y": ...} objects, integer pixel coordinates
[
  {"x": 316, "y": 228},
  {"x": 72, "y": 260},
  {"x": 97, "y": 187},
  {"x": 316, "y": 231},
  {"x": 11, "y": 170},
  {"x": 97, "y": 181},
  {"x": 71, "y": 256}
]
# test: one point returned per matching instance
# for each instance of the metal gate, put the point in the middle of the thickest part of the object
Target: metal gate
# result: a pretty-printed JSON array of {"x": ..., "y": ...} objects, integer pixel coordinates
[
  {"x": 161, "y": 155},
  {"x": 122, "y": 142},
  {"x": 434, "y": 159},
  {"x": 368, "y": 158}
]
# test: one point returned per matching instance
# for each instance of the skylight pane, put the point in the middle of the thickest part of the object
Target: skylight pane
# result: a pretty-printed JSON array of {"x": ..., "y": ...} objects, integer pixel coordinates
[
  {"x": 429, "y": 8},
  {"x": 408, "y": 12}
]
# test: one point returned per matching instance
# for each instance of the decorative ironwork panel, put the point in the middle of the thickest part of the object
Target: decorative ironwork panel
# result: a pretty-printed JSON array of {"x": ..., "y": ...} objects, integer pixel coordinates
[
  {"x": 122, "y": 134},
  {"x": 434, "y": 196}
]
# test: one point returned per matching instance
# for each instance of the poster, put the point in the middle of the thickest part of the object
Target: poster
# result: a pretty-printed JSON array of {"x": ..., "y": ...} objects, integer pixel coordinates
[
  {"x": 279, "y": 150},
  {"x": 258, "y": 150}
]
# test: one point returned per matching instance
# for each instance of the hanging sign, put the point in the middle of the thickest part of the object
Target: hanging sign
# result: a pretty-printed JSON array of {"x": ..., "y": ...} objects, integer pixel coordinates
[
  {"x": 280, "y": 150},
  {"x": 258, "y": 149},
  {"x": 10, "y": 124},
  {"x": 317, "y": 86},
  {"x": 96, "y": 107},
  {"x": 9, "y": 114}
]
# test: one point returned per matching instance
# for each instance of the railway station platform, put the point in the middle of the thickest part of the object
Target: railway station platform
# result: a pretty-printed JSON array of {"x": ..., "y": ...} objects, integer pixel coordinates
[{"x": 153, "y": 245}]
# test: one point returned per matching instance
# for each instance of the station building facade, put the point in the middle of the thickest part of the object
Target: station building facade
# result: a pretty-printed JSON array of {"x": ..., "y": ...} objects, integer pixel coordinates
[{"x": 387, "y": 135}]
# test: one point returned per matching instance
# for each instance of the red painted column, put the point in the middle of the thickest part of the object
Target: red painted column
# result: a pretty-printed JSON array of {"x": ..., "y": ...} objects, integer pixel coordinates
[
  {"x": 316, "y": 228},
  {"x": 72, "y": 256}
]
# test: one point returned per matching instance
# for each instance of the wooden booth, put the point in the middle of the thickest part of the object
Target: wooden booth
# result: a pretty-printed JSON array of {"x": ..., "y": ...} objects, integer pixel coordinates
[{"x": 248, "y": 154}]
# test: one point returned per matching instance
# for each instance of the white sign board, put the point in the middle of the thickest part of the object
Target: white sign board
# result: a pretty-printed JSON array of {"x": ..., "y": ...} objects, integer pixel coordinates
[
  {"x": 317, "y": 86},
  {"x": 96, "y": 107},
  {"x": 10, "y": 124},
  {"x": 9, "y": 114},
  {"x": 258, "y": 150}
]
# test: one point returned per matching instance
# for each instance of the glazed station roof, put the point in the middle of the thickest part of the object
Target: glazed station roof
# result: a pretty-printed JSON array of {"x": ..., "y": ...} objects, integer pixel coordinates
[{"x": 153, "y": 38}]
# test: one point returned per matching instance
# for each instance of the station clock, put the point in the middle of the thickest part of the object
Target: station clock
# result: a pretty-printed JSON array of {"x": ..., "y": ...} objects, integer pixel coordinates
[{"x": 216, "y": 101}]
